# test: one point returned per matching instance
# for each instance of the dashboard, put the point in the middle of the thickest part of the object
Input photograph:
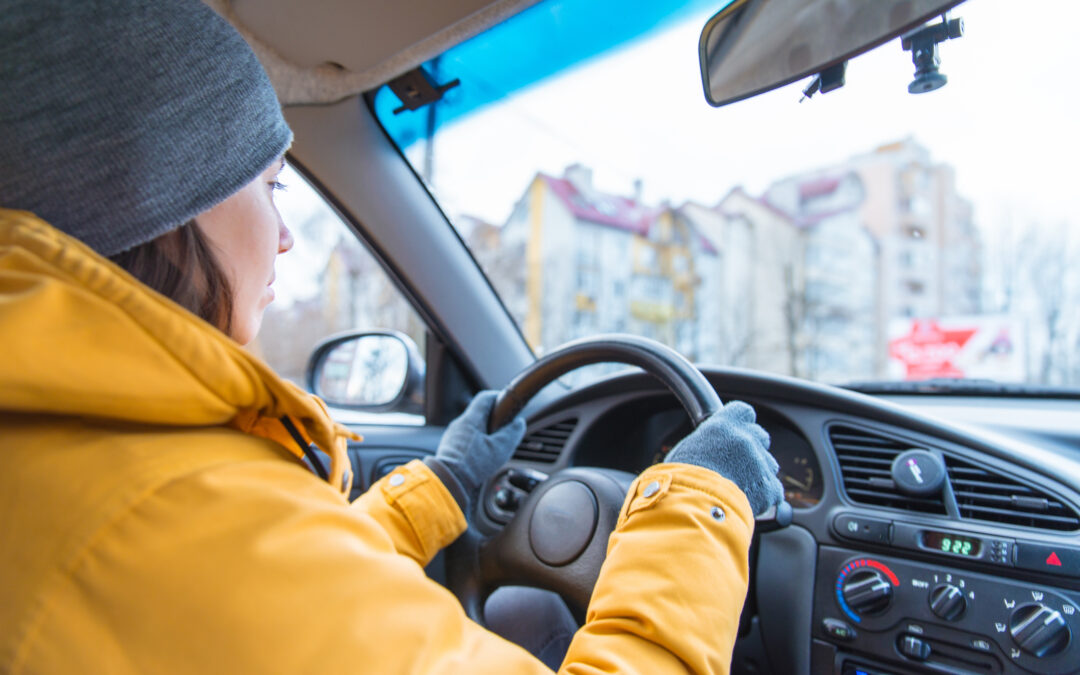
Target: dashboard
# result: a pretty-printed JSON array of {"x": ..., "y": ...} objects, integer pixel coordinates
[
  {"x": 932, "y": 538},
  {"x": 647, "y": 437}
]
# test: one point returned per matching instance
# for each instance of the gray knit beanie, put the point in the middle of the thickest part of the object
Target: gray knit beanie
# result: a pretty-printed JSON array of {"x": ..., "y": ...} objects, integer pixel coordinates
[{"x": 120, "y": 120}]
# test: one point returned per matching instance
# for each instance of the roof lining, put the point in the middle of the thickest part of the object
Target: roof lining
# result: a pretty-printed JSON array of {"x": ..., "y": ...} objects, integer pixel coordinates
[{"x": 328, "y": 83}]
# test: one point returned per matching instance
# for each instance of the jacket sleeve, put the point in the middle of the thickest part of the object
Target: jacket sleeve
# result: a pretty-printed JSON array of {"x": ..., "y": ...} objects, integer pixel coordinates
[
  {"x": 259, "y": 567},
  {"x": 415, "y": 509},
  {"x": 681, "y": 544}
]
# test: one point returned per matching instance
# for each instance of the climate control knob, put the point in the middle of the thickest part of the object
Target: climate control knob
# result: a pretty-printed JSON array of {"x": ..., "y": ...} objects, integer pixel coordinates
[
  {"x": 947, "y": 601},
  {"x": 867, "y": 592},
  {"x": 1039, "y": 630}
]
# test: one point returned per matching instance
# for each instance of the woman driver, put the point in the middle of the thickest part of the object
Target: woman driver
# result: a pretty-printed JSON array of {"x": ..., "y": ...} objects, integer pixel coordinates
[{"x": 157, "y": 516}]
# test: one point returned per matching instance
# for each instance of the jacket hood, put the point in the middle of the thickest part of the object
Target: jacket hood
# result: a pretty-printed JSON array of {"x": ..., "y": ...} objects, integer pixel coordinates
[{"x": 81, "y": 337}]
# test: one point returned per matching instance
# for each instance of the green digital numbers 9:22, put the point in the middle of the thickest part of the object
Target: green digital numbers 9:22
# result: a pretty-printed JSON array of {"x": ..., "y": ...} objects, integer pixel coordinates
[{"x": 957, "y": 546}]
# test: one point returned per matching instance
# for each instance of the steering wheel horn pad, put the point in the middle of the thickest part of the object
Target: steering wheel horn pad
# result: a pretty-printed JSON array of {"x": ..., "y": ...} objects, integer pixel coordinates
[
  {"x": 562, "y": 523},
  {"x": 509, "y": 557}
]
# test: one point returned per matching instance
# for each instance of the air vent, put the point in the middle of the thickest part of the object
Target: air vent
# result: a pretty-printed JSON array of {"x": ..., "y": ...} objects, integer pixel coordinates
[
  {"x": 545, "y": 444},
  {"x": 982, "y": 495},
  {"x": 865, "y": 464}
]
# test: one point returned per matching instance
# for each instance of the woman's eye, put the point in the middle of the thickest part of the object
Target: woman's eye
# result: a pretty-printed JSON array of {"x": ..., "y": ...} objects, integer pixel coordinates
[{"x": 278, "y": 185}]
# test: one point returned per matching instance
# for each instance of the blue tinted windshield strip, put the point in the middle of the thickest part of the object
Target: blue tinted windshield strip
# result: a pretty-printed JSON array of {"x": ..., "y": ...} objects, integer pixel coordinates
[{"x": 547, "y": 39}]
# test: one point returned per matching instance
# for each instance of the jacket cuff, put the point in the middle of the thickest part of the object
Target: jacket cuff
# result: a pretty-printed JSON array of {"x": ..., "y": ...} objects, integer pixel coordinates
[
  {"x": 431, "y": 511},
  {"x": 656, "y": 482},
  {"x": 450, "y": 482}
]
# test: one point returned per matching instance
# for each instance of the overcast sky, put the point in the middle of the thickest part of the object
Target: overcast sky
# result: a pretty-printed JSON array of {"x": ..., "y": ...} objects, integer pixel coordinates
[{"x": 1007, "y": 120}]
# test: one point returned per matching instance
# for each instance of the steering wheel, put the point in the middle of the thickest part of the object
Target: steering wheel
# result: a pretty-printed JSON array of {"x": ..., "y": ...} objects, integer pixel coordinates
[{"x": 558, "y": 537}]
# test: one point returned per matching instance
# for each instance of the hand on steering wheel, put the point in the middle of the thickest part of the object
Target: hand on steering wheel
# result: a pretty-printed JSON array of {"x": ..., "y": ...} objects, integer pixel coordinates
[
  {"x": 732, "y": 444},
  {"x": 557, "y": 540},
  {"x": 471, "y": 455}
]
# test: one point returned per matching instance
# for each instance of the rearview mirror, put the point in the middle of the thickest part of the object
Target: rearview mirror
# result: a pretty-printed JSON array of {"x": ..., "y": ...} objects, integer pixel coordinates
[
  {"x": 373, "y": 371},
  {"x": 754, "y": 46}
]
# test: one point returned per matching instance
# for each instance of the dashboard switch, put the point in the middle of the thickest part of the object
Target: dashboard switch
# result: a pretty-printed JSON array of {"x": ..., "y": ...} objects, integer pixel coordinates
[
  {"x": 947, "y": 601},
  {"x": 867, "y": 592},
  {"x": 1058, "y": 560},
  {"x": 506, "y": 500},
  {"x": 999, "y": 552},
  {"x": 1039, "y": 630},
  {"x": 914, "y": 648},
  {"x": 858, "y": 528},
  {"x": 839, "y": 630}
]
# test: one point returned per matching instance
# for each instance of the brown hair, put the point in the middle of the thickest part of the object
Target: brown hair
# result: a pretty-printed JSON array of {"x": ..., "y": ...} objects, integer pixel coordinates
[{"x": 181, "y": 266}]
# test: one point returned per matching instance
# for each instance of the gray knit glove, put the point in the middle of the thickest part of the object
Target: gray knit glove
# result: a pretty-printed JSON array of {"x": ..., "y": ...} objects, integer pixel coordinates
[
  {"x": 468, "y": 456},
  {"x": 734, "y": 446}
]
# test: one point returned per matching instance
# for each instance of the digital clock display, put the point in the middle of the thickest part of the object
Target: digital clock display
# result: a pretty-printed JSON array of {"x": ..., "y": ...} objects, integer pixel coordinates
[{"x": 968, "y": 547}]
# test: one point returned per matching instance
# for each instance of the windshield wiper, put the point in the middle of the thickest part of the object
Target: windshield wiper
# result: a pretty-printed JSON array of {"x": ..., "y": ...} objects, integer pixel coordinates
[{"x": 958, "y": 387}]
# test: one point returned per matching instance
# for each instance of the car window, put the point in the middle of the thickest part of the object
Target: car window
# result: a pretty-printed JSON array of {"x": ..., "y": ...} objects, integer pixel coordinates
[
  {"x": 866, "y": 234},
  {"x": 328, "y": 283}
]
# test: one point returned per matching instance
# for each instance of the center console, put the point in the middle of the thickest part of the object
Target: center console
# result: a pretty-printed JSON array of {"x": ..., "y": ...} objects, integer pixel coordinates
[{"x": 941, "y": 617}]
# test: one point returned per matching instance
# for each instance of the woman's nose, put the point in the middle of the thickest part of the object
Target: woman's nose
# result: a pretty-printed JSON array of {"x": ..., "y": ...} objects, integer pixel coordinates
[{"x": 285, "y": 239}]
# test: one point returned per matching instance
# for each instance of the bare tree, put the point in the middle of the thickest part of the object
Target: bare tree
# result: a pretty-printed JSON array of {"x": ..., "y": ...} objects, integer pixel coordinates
[
  {"x": 1046, "y": 281},
  {"x": 737, "y": 340},
  {"x": 795, "y": 313}
]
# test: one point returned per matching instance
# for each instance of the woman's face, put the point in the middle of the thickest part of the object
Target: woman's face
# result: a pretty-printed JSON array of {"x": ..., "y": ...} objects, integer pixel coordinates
[{"x": 246, "y": 234}]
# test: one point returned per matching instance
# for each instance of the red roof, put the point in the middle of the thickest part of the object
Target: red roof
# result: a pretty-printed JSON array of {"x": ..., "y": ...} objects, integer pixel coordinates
[
  {"x": 611, "y": 210},
  {"x": 603, "y": 209},
  {"x": 819, "y": 187}
]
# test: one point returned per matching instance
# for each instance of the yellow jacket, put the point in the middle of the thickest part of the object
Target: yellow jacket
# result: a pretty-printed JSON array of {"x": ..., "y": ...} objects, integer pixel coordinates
[{"x": 155, "y": 518}]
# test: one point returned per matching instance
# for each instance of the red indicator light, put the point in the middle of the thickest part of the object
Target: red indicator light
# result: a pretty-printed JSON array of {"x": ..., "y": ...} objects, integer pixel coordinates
[{"x": 1053, "y": 560}]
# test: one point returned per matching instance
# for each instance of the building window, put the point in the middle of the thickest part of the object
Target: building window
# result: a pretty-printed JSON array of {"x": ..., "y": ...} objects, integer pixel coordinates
[
  {"x": 914, "y": 286},
  {"x": 914, "y": 232}
]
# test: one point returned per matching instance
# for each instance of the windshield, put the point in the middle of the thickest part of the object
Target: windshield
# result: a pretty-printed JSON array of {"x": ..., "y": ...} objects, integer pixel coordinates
[{"x": 865, "y": 234}]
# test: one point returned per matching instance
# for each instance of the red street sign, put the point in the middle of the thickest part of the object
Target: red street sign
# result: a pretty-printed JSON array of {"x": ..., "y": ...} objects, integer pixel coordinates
[
  {"x": 1053, "y": 559},
  {"x": 928, "y": 350}
]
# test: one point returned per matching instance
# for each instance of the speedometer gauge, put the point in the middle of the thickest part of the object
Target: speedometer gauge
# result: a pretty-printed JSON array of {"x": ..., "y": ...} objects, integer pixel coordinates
[
  {"x": 799, "y": 482},
  {"x": 799, "y": 472}
]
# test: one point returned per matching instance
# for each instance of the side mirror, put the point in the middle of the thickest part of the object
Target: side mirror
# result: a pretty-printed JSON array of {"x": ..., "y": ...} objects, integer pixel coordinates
[{"x": 371, "y": 371}]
